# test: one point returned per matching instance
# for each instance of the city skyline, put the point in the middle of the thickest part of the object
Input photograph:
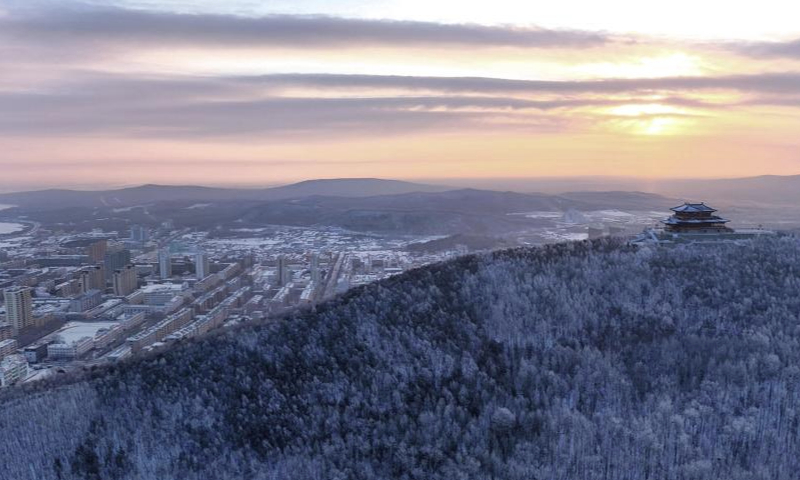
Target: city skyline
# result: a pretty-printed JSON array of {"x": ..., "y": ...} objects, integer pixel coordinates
[{"x": 191, "y": 92}]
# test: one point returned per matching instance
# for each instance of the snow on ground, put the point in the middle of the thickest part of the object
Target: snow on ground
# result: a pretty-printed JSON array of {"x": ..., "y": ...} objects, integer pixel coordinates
[
  {"x": 6, "y": 228},
  {"x": 610, "y": 213},
  {"x": 35, "y": 375},
  {"x": 562, "y": 236},
  {"x": 125, "y": 209},
  {"x": 618, "y": 216},
  {"x": 76, "y": 330},
  {"x": 553, "y": 215}
]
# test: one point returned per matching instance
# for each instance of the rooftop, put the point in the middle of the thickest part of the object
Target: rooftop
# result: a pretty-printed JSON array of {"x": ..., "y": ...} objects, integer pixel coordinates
[
  {"x": 693, "y": 208},
  {"x": 162, "y": 288},
  {"x": 694, "y": 221}
]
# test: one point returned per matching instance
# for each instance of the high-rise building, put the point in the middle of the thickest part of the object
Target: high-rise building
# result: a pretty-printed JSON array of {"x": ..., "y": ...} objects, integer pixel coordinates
[
  {"x": 19, "y": 308},
  {"x": 139, "y": 233},
  {"x": 92, "y": 278},
  {"x": 201, "y": 265},
  {"x": 164, "y": 263},
  {"x": 125, "y": 281},
  {"x": 97, "y": 250},
  {"x": 116, "y": 260},
  {"x": 314, "y": 267},
  {"x": 284, "y": 273}
]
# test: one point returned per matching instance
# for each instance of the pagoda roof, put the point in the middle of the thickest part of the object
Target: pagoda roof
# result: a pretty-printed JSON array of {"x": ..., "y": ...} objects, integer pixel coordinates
[
  {"x": 693, "y": 208},
  {"x": 694, "y": 221}
]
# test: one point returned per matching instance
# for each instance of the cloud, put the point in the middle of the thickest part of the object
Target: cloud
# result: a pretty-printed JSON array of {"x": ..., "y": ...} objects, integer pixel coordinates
[
  {"x": 767, "y": 83},
  {"x": 150, "y": 113},
  {"x": 250, "y": 107},
  {"x": 788, "y": 49},
  {"x": 114, "y": 27}
]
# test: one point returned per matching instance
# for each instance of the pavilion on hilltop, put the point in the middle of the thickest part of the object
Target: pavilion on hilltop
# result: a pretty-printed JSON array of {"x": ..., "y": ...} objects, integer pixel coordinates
[{"x": 695, "y": 218}]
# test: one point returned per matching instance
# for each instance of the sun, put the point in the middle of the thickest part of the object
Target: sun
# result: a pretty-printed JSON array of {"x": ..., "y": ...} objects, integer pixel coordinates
[
  {"x": 659, "y": 126},
  {"x": 648, "y": 119}
]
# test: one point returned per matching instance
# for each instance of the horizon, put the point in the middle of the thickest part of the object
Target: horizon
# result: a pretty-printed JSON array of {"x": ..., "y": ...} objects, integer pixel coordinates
[
  {"x": 195, "y": 92},
  {"x": 485, "y": 183}
]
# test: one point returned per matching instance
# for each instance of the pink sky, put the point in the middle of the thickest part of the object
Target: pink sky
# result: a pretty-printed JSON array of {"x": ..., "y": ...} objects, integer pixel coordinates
[{"x": 121, "y": 93}]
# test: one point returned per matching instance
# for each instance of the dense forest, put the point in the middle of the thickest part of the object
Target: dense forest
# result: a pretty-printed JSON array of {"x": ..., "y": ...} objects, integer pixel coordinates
[{"x": 573, "y": 361}]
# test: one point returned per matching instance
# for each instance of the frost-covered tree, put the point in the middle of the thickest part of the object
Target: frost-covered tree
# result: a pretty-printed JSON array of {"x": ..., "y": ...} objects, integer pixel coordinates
[{"x": 574, "y": 361}]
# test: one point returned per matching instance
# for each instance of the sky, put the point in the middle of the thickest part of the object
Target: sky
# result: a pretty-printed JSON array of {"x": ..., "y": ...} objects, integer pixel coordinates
[{"x": 241, "y": 92}]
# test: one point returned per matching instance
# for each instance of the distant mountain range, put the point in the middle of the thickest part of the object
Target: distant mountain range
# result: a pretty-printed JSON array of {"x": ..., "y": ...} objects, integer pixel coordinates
[
  {"x": 766, "y": 190},
  {"x": 369, "y": 205},
  {"x": 613, "y": 192},
  {"x": 393, "y": 206},
  {"x": 147, "y": 194}
]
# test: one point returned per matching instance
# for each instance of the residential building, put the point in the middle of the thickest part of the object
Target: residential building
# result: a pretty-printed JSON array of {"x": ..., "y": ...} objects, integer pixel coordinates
[
  {"x": 6, "y": 331},
  {"x": 97, "y": 250},
  {"x": 70, "y": 288},
  {"x": 201, "y": 265},
  {"x": 92, "y": 278},
  {"x": 139, "y": 233},
  {"x": 161, "y": 294},
  {"x": 72, "y": 350},
  {"x": 7, "y": 347},
  {"x": 115, "y": 260},
  {"x": 19, "y": 308},
  {"x": 106, "y": 336},
  {"x": 160, "y": 330},
  {"x": 125, "y": 281},
  {"x": 13, "y": 369},
  {"x": 315, "y": 268},
  {"x": 284, "y": 273},
  {"x": 164, "y": 264},
  {"x": 37, "y": 352},
  {"x": 85, "y": 301}
]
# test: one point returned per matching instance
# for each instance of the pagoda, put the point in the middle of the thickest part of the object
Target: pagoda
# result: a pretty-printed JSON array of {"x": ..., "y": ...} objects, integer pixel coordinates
[{"x": 695, "y": 218}]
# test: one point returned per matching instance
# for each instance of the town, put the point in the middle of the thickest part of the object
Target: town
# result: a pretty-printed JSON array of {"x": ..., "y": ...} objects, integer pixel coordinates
[{"x": 77, "y": 300}]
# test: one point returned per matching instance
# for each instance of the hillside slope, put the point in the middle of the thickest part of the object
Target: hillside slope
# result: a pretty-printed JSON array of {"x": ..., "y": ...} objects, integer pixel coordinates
[{"x": 574, "y": 361}]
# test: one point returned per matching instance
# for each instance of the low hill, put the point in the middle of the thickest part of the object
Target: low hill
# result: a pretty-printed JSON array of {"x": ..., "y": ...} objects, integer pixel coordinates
[
  {"x": 623, "y": 200},
  {"x": 349, "y": 187},
  {"x": 570, "y": 361},
  {"x": 148, "y": 194},
  {"x": 419, "y": 213}
]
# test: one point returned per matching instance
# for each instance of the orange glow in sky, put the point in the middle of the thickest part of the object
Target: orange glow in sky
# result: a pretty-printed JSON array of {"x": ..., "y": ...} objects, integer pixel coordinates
[{"x": 126, "y": 92}]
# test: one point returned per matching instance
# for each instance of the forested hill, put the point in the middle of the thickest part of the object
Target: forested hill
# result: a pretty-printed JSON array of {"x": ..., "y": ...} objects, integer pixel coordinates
[{"x": 574, "y": 361}]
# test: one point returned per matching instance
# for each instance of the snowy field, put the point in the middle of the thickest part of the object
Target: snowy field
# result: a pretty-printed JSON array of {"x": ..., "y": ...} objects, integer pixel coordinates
[
  {"x": 598, "y": 216},
  {"x": 73, "y": 331},
  {"x": 6, "y": 228}
]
